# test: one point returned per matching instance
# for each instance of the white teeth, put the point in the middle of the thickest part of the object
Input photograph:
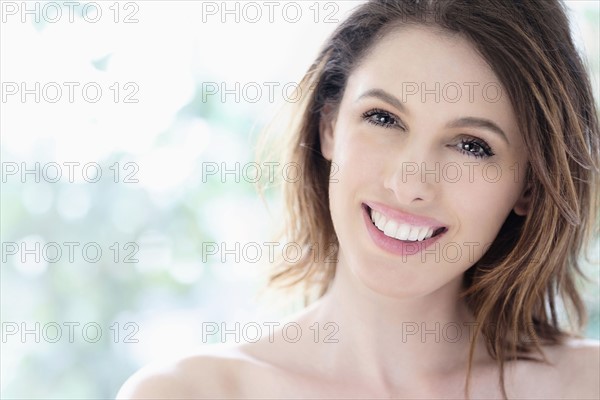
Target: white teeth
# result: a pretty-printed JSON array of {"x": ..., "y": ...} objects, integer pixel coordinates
[
  {"x": 400, "y": 231},
  {"x": 390, "y": 228},
  {"x": 403, "y": 232},
  {"x": 425, "y": 233},
  {"x": 374, "y": 216},
  {"x": 414, "y": 234},
  {"x": 379, "y": 220}
]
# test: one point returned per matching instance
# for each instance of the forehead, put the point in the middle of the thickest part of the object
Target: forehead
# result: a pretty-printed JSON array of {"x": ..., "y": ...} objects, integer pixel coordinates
[
  {"x": 427, "y": 67},
  {"x": 428, "y": 54}
]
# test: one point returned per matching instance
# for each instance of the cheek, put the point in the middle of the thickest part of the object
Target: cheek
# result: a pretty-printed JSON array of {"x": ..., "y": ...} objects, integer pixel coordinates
[
  {"x": 356, "y": 158},
  {"x": 483, "y": 203}
]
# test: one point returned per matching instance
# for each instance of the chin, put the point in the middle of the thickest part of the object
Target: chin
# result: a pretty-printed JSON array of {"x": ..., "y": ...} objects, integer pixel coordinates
[{"x": 389, "y": 280}]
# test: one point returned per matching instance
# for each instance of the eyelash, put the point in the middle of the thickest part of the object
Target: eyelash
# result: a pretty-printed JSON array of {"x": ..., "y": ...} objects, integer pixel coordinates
[
  {"x": 376, "y": 111},
  {"x": 485, "y": 148}
]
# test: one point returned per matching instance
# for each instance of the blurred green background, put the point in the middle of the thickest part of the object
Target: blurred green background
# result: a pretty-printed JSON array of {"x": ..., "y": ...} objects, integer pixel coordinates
[{"x": 161, "y": 209}]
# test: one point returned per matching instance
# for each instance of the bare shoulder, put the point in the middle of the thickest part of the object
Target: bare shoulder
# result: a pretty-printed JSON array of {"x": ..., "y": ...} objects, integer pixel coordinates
[
  {"x": 572, "y": 372},
  {"x": 213, "y": 373},
  {"x": 578, "y": 364}
]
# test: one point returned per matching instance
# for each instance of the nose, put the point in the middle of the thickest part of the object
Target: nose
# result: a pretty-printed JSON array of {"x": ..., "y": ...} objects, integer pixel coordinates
[{"x": 413, "y": 177}]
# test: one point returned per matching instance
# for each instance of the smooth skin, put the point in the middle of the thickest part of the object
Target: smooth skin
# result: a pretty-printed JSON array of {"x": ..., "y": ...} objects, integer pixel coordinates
[{"x": 387, "y": 328}]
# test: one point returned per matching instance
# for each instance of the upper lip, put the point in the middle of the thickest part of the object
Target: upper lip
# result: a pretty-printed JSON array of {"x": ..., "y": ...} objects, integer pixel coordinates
[{"x": 404, "y": 217}]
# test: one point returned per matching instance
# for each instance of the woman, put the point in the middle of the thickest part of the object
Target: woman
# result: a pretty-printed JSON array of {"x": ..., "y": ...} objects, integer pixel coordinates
[{"x": 450, "y": 157}]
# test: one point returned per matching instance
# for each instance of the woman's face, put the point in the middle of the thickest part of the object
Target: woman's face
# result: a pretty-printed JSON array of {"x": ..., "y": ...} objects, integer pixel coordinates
[{"x": 425, "y": 138}]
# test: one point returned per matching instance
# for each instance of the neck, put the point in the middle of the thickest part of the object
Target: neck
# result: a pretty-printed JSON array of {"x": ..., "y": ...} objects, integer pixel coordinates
[{"x": 392, "y": 341}]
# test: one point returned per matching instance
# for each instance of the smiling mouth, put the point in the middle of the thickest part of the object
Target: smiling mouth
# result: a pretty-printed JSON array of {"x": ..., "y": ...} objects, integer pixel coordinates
[{"x": 402, "y": 231}]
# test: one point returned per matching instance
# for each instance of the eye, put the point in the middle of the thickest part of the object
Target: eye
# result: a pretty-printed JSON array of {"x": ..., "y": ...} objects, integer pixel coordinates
[
  {"x": 474, "y": 147},
  {"x": 382, "y": 118}
]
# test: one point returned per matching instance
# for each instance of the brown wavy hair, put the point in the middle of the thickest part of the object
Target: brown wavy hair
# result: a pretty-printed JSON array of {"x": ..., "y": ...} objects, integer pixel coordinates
[{"x": 533, "y": 266}]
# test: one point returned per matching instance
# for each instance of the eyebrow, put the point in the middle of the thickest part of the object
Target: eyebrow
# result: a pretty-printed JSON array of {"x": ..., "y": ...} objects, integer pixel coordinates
[
  {"x": 384, "y": 96},
  {"x": 478, "y": 123},
  {"x": 472, "y": 122}
]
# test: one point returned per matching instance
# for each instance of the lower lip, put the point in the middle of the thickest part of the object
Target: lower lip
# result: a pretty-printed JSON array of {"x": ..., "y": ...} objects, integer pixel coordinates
[{"x": 395, "y": 246}]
